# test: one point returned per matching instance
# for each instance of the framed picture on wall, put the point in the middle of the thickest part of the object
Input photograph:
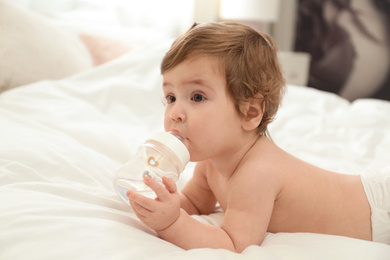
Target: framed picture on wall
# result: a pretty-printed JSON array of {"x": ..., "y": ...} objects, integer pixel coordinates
[{"x": 348, "y": 41}]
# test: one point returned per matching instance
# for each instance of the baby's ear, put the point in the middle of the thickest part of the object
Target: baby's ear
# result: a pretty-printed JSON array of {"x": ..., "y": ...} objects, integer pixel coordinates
[{"x": 253, "y": 112}]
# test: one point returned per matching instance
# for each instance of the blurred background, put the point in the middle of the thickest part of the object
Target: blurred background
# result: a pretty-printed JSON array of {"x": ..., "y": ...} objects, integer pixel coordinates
[{"x": 340, "y": 46}]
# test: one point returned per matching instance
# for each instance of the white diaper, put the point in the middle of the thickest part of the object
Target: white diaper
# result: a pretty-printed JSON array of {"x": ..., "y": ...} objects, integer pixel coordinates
[{"x": 377, "y": 188}]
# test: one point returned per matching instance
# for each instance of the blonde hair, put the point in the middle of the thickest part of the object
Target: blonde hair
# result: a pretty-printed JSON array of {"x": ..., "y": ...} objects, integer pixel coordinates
[{"x": 248, "y": 59}]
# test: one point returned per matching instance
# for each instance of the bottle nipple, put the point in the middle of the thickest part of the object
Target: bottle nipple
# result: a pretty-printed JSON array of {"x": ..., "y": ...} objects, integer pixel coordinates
[{"x": 178, "y": 136}]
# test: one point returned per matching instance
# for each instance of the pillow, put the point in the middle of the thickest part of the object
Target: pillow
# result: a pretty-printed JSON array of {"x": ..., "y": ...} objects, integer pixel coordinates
[
  {"x": 104, "y": 49},
  {"x": 31, "y": 49}
]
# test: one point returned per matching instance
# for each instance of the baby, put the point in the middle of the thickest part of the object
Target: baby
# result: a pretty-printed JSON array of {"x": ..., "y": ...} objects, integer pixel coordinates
[{"x": 223, "y": 86}]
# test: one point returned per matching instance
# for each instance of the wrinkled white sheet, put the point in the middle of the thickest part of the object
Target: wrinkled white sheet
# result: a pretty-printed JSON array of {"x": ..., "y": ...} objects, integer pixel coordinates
[{"x": 62, "y": 141}]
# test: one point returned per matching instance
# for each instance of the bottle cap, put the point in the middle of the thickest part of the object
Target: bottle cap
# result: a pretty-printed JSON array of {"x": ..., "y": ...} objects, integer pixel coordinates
[{"x": 175, "y": 145}]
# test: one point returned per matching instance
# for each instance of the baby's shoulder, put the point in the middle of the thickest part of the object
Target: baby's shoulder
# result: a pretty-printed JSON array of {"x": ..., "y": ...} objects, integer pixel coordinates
[
  {"x": 260, "y": 162},
  {"x": 263, "y": 166},
  {"x": 257, "y": 180},
  {"x": 265, "y": 156},
  {"x": 258, "y": 170}
]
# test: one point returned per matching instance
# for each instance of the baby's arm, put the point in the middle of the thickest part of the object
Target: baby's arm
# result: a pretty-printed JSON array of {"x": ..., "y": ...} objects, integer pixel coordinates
[
  {"x": 250, "y": 201},
  {"x": 197, "y": 197},
  {"x": 249, "y": 209},
  {"x": 188, "y": 233},
  {"x": 174, "y": 224},
  {"x": 166, "y": 207}
]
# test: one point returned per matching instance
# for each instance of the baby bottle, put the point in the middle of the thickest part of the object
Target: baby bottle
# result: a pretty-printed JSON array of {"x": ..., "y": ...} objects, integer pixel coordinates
[{"x": 164, "y": 154}]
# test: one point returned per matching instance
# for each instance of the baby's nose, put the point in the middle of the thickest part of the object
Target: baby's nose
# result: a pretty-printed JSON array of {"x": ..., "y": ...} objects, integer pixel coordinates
[{"x": 178, "y": 114}]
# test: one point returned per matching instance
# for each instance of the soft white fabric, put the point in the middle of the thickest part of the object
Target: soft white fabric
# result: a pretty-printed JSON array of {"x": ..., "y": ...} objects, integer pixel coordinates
[
  {"x": 62, "y": 141},
  {"x": 377, "y": 188},
  {"x": 332, "y": 133},
  {"x": 32, "y": 50}
]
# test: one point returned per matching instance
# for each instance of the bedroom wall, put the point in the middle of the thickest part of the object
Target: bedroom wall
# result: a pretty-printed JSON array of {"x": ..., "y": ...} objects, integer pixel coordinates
[
  {"x": 348, "y": 43},
  {"x": 163, "y": 16},
  {"x": 366, "y": 75}
]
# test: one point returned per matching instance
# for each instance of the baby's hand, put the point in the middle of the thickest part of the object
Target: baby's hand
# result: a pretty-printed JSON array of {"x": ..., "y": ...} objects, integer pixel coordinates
[{"x": 161, "y": 212}]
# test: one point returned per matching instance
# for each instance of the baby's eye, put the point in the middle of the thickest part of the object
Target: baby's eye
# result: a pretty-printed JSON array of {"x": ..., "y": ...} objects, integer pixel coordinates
[
  {"x": 170, "y": 99},
  {"x": 198, "y": 98}
]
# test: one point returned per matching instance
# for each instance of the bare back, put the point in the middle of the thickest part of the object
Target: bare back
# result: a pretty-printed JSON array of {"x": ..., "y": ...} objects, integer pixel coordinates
[{"x": 306, "y": 198}]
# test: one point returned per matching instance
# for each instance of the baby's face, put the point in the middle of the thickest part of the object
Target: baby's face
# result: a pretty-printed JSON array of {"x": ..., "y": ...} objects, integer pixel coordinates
[{"x": 200, "y": 108}]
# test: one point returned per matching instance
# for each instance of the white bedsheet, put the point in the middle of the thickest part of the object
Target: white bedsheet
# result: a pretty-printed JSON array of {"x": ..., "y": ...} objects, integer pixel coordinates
[{"x": 62, "y": 141}]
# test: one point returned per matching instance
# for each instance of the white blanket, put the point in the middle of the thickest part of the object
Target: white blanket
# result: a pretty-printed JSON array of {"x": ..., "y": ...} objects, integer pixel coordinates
[{"x": 62, "y": 141}]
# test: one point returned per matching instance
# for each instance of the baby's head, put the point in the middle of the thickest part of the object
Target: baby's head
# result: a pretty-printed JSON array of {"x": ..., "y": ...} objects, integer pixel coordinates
[{"x": 247, "y": 58}]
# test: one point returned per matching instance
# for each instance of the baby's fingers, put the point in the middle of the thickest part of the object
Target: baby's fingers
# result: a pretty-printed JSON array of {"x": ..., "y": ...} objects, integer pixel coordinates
[
  {"x": 140, "y": 211},
  {"x": 169, "y": 184},
  {"x": 139, "y": 201},
  {"x": 160, "y": 191}
]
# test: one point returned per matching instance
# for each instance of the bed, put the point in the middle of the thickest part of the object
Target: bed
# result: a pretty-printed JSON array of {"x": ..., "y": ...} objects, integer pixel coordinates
[{"x": 63, "y": 139}]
